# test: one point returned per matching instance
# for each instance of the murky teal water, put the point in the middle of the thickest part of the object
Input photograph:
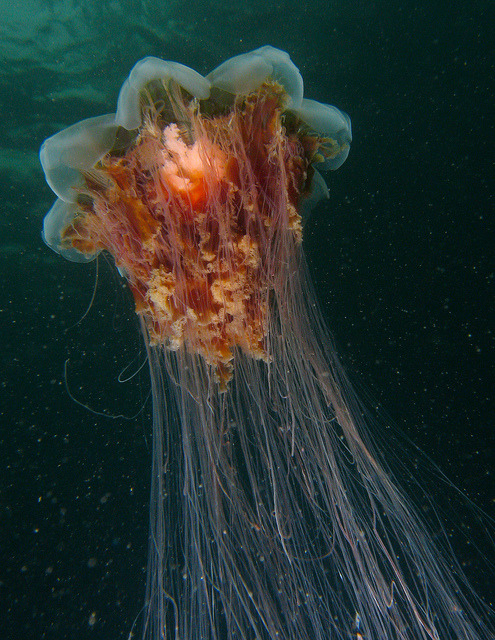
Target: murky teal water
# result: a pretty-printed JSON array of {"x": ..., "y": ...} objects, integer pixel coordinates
[{"x": 402, "y": 256}]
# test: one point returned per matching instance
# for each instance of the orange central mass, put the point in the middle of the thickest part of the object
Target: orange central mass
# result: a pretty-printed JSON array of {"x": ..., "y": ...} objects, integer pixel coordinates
[{"x": 195, "y": 216}]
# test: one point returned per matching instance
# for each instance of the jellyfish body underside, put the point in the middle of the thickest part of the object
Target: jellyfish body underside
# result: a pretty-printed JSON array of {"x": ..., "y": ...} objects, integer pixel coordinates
[{"x": 271, "y": 517}]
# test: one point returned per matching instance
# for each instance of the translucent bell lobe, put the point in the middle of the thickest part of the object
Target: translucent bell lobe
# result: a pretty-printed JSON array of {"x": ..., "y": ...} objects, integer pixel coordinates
[
  {"x": 245, "y": 73},
  {"x": 332, "y": 123},
  {"x": 318, "y": 192},
  {"x": 146, "y": 70},
  {"x": 75, "y": 149},
  {"x": 56, "y": 220}
]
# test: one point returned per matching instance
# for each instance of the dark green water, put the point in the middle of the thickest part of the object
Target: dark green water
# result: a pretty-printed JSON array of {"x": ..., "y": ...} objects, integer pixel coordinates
[{"x": 402, "y": 257}]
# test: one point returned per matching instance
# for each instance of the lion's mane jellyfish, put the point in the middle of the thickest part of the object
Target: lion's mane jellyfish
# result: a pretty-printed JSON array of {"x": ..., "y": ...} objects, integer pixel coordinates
[{"x": 271, "y": 515}]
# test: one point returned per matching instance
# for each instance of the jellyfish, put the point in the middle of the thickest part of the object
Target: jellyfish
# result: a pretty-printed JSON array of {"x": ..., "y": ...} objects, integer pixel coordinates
[{"x": 272, "y": 515}]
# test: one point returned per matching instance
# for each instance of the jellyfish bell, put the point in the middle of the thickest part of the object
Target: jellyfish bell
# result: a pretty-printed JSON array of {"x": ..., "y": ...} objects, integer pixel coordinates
[
  {"x": 329, "y": 121},
  {"x": 66, "y": 155},
  {"x": 245, "y": 73},
  {"x": 271, "y": 515},
  {"x": 128, "y": 105}
]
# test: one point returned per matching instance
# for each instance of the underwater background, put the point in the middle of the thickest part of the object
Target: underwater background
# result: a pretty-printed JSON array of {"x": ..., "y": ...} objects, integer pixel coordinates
[{"x": 401, "y": 256}]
